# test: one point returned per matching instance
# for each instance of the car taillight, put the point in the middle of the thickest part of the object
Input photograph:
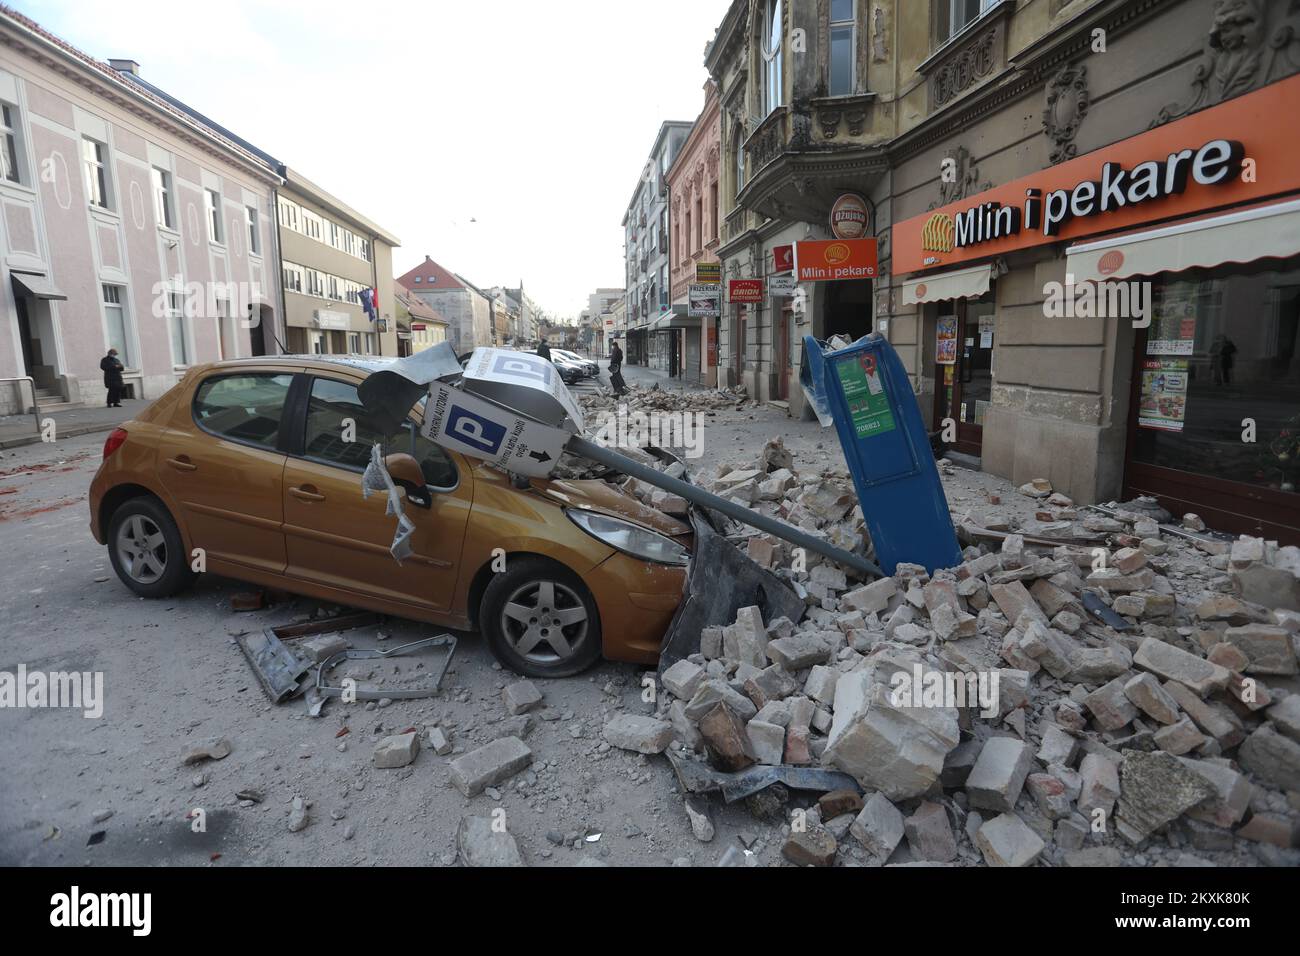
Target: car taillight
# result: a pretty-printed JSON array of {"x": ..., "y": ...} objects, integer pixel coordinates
[{"x": 114, "y": 441}]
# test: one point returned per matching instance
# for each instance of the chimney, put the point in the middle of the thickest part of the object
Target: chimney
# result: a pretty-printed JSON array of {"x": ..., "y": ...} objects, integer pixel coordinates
[{"x": 125, "y": 66}]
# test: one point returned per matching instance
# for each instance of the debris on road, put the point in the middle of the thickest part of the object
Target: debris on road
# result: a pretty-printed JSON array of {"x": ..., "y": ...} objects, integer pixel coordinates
[{"x": 218, "y": 749}]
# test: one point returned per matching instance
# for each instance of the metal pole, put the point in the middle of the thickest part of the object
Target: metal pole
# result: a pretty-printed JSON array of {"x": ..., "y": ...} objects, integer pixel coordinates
[{"x": 581, "y": 446}]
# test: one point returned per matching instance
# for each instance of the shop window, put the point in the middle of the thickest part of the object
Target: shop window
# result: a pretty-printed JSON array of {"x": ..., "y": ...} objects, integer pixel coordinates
[{"x": 1220, "y": 354}]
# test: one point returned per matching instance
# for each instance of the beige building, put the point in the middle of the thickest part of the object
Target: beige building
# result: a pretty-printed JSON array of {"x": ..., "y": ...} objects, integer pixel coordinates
[
  {"x": 974, "y": 140},
  {"x": 329, "y": 255}
]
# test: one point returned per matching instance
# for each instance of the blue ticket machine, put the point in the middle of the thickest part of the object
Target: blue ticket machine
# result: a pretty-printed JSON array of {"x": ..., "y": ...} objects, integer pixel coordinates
[{"x": 864, "y": 390}]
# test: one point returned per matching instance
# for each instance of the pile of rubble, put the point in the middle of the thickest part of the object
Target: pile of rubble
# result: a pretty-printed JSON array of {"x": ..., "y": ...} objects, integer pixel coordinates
[{"x": 1131, "y": 700}]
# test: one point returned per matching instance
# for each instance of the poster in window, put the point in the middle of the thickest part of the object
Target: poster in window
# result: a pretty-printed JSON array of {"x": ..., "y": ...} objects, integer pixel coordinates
[
  {"x": 1163, "y": 403},
  {"x": 1173, "y": 320},
  {"x": 945, "y": 346}
]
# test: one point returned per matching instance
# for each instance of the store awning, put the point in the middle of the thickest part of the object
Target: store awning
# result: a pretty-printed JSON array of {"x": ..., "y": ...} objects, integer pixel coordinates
[
  {"x": 1261, "y": 232},
  {"x": 957, "y": 284},
  {"x": 38, "y": 287}
]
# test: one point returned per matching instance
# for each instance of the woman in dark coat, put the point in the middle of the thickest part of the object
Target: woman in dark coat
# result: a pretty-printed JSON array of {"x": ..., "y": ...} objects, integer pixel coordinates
[{"x": 112, "y": 369}]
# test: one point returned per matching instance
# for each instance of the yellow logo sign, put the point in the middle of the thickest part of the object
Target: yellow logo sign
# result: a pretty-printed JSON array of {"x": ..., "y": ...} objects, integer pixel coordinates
[
  {"x": 937, "y": 233},
  {"x": 837, "y": 253}
]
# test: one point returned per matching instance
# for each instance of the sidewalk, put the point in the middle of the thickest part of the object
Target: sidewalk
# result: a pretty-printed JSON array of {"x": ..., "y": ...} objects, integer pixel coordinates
[
  {"x": 649, "y": 377},
  {"x": 18, "y": 430}
]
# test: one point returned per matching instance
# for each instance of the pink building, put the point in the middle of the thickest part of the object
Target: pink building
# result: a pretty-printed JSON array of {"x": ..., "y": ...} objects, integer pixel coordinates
[
  {"x": 124, "y": 222},
  {"x": 693, "y": 214}
]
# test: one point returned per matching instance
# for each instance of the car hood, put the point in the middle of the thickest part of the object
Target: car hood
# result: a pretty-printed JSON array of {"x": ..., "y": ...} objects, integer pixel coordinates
[{"x": 604, "y": 498}]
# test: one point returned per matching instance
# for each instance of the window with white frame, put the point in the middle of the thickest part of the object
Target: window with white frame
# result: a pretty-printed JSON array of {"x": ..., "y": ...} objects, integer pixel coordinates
[
  {"x": 772, "y": 57},
  {"x": 354, "y": 343},
  {"x": 254, "y": 230},
  {"x": 841, "y": 66},
  {"x": 289, "y": 215},
  {"x": 162, "y": 197},
  {"x": 315, "y": 283},
  {"x": 176, "y": 321},
  {"x": 212, "y": 209},
  {"x": 955, "y": 15},
  {"x": 293, "y": 277},
  {"x": 10, "y": 138},
  {"x": 98, "y": 182},
  {"x": 332, "y": 283},
  {"x": 115, "y": 319}
]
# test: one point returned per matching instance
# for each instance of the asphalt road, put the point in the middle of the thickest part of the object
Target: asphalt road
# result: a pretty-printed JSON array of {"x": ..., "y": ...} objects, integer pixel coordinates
[{"x": 174, "y": 679}]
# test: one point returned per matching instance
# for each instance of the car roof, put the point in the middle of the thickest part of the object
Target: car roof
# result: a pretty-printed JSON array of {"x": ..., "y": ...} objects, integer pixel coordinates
[{"x": 365, "y": 363}]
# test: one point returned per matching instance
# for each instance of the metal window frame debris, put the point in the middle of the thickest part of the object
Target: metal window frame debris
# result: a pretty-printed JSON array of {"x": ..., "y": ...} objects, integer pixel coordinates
[
  {"x": 372, "y": 654},
  {"x": 697, "y": 777},
  {"x": 277, "y": 668}
]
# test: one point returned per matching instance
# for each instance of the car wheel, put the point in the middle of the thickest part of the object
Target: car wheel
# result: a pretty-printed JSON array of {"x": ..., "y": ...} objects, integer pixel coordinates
[
  {"x": 146, "y": 549},
  {"x": 540, "y": 620}
]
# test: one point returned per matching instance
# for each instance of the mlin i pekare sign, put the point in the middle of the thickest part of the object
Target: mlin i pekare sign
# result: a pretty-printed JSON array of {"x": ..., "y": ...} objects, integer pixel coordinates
[
  {"x": 1228, "y": 154},
  {"x": 831, "y": 260}
]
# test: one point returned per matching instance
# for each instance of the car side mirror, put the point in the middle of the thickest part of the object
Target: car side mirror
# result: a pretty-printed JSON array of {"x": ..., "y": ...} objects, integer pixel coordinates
[{"x": 406, "y": 474}]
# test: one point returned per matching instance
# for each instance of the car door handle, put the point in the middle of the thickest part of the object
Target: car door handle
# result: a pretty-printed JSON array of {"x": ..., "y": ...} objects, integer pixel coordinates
[
  {"x": 182, "y": 463},
  {"x": 307, "y": 493}
]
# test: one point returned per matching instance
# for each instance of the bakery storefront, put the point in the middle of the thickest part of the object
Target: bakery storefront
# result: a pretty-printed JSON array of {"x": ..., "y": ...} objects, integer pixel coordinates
[{"x": 1184, "y": 241}]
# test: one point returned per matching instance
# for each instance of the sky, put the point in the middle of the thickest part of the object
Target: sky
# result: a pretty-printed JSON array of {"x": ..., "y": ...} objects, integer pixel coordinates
[{"x": 502, "y": 139}]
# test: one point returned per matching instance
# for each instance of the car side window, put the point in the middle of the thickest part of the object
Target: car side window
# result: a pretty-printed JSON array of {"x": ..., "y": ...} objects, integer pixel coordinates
[
  {"x": 245, "y": 407},
  {"x": 339, "y": 429},
  {"x": 332, "y": 403}
]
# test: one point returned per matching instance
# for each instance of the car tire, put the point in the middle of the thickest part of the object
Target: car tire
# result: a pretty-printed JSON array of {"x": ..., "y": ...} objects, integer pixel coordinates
[
  {"x": 146, "y": 549},
  {"x": 515, "y": 617}
]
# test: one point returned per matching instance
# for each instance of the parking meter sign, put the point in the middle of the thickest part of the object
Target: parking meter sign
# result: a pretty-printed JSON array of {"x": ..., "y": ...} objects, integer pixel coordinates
[
  {"x": 865, "y": 394},
  {"x": 465, "y": 423},
  {"x": 524, "y": 383}
]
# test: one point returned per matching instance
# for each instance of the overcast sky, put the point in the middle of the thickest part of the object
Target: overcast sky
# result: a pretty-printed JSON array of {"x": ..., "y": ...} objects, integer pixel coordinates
[{"x": 533, "y": 118}]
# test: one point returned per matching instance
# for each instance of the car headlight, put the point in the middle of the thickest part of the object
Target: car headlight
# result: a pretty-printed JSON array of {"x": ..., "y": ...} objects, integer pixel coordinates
[{"x": 631, "y": 538}]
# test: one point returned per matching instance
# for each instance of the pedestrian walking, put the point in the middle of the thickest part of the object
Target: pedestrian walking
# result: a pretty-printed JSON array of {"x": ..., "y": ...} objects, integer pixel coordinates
[
  {"x": 616, "y": 370},
  {"x": 544, "y": 350},
  {"x": 112, "y": 369}
]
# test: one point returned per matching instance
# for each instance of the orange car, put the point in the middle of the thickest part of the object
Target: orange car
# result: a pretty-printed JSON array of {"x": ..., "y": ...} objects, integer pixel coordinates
[{"x": 258, "y": 462}]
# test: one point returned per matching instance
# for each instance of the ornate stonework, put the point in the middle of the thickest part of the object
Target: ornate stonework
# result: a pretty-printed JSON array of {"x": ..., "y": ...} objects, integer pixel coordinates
[
  {"x": 966, "y": 68},
  {"x": 966, "y": 180},
  {"x": 1067, "y": 105},
  {"x": 1250, "y": 43}
]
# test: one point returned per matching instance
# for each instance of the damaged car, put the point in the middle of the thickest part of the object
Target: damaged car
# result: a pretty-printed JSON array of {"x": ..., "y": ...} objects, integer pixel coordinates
[{"x": 252, "y": 469}]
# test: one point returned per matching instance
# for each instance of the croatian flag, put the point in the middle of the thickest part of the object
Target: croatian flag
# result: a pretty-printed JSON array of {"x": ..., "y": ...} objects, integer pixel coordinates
[{"x": 369, "y": 297}]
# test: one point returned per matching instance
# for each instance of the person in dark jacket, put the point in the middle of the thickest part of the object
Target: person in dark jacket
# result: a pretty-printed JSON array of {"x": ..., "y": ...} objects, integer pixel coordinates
[
  {"x": 112, "y": 369},
  {"x": 544, "y": 350},
  {"x": 616, "y": 370}
]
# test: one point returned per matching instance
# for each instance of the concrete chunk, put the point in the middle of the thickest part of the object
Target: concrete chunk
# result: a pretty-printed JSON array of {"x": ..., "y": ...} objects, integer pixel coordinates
[
  {"x": 766, "y": 741},
  {"x": 1155, "y": 788},
  {"x": 1275, "y": 758},
  {"x": 639, "y": 732},
  {"x": 1145, "y": 691},
  {"x": 929, "y": 833},
  {"x": 480, "y": 843},
  {"x": 1268, "y": 648},
  {"x": 879, "y": 827},
  {"x": 1175, "y": 664},
  {"x": 999, "y": 774},
  {"x": 683, "y": 679},
  {"x": 1110, "y": 706},
  {"x": 521, "y": 697},
  {"x": 1007, "y": 841},
  {"x": 396, "y": 751},
  {"x": 479, "y": 769}
]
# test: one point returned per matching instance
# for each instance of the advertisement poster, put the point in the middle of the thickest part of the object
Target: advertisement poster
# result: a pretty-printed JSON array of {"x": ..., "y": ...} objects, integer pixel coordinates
[
  {"x": 945, "y": 346},
  {"x": 1173, "y": 321},
  {"x": 865, "y": 394},
  {"x": 704, "y": 300},
  {"x": 1163, "y": 403}
]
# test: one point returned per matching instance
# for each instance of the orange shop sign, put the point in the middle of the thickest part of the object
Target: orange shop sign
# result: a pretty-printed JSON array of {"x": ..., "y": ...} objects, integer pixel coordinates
[
  {"x": 745, "y": 290},
  {"x": 1233, "y": 153},
  {"x": 829, "y": 260}
]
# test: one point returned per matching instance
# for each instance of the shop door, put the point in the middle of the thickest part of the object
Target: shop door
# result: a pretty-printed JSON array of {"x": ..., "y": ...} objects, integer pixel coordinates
[
  {"x": 964, "y": 369},
  {"x": 783, "y": 354},
  {"x": 740, "y": 343}
]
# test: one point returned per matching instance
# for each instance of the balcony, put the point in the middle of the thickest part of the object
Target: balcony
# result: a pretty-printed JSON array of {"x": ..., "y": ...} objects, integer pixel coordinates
[{"x": 767, "y": 141}]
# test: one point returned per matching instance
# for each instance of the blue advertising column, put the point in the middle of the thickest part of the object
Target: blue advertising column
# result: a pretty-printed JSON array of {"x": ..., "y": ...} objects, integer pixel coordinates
[{"x": 864, "y": 390}]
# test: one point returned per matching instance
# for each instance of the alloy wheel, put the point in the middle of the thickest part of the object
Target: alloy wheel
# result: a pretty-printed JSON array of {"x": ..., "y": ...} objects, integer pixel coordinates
[
  {"x": 545, "y": 622},
  {"x": 141, "y": 549}
]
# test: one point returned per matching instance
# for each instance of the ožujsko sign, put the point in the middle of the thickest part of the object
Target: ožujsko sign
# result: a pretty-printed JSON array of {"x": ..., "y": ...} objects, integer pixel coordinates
[
  {"x": 1187, "y": 166},
  {"x": 829, "y": 260}
]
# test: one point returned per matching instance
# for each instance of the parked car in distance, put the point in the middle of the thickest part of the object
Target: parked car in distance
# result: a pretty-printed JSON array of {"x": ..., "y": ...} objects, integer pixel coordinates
[
  {"x": 571, "y": 372},
  {"x": 249, "y": 463},
  {"x": 590, "y": 368}
]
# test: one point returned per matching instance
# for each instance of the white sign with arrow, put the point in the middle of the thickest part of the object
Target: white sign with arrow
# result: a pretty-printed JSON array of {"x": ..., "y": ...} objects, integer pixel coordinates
[{"x": 476, "y": 427}]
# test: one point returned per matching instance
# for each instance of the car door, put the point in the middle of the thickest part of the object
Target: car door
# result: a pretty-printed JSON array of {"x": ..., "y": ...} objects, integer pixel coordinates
[
  {"x": 221, "y": 462},
  {"x": 337, "y": 538}
]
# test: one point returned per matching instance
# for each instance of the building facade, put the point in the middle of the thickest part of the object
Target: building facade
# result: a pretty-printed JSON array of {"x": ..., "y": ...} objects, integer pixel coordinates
[
  {"x": 468, "y": 310},
  {"x": 419, "y": 326},
  {"x": 695, "y": 217},
  {"x": 1099, "y": 152},
  {"x": 329, "y": 254},
  {"x": 127, "y": 224},
  {"x": 646, "y": 238}
]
